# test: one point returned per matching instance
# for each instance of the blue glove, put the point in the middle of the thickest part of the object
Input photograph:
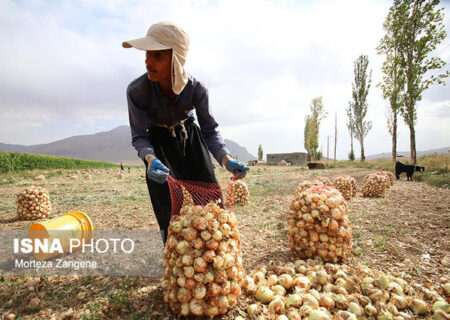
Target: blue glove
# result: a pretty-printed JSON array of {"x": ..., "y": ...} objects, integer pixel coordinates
[
  {"x": 158, "y": 172},
  {"x": 237, "y": 168}
]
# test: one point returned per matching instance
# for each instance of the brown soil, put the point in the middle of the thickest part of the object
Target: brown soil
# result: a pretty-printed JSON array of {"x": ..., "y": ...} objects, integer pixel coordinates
[{"x": 406, "y": 231}]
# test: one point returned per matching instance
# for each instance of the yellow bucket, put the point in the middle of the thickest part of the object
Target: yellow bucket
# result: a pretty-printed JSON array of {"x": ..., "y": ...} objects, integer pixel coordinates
[{"x": 73, "y": 225}]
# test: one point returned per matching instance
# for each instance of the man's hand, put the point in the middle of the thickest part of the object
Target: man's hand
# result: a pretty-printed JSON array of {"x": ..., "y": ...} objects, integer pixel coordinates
[
  {"x": 238, "y": 168},
  {"x": 156, "y": 170}
]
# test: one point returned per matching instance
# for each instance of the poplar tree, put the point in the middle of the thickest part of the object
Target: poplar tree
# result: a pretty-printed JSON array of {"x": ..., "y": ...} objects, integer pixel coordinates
[
  {"x": 358, "y": 107},
  {"x": 260, "y": 153},
  {"x": 421, "y": 31}
]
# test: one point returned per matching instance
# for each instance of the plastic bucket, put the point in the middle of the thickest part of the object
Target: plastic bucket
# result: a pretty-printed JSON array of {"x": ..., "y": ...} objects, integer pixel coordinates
[{"x": 73, "y": 225}]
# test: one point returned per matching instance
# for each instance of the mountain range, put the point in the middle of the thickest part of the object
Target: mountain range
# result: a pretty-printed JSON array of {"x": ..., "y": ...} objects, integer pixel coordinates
[
  {"x": 115, "y": 145},
  {"x": 406, "y": 154},
  {"x": 111, "y": 146}
]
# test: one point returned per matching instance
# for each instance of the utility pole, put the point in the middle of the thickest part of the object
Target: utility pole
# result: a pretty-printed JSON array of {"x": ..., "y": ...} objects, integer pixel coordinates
[
  {"x": 335, "y": 135},
  {"x": 328, "y": 147}
]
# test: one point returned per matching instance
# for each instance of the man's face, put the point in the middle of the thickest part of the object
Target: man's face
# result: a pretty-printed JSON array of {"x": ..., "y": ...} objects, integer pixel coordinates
[{"x": 158, "y": 64}]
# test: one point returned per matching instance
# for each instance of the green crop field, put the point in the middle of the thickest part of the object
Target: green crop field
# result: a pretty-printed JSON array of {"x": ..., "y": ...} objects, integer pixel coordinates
[{"x": 14, "y": 162}]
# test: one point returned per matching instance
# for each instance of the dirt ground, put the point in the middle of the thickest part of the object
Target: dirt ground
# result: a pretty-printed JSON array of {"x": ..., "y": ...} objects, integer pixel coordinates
[{"x": 406, "y": 231}]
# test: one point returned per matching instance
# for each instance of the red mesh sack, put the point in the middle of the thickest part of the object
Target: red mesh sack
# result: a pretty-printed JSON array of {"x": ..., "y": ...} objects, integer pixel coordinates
[{"x": 189, "y": 192}]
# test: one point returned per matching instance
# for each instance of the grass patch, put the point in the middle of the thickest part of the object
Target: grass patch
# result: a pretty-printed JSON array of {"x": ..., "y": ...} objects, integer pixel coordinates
[
  {"x": 15, "y": 162},
  {"x": 436, "y": 167},
  {"x": 435, "y": 180}
]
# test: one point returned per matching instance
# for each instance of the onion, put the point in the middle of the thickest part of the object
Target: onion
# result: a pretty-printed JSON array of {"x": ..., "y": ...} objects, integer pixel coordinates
[
  {"x": 253, "y": 309},
  {"x": 189, "y": 271},
  {"x": 293, "y": 315},
  {"x": 392, "y": 309},
  {"x": 190, "y": 283},
  {"x": 200, "y": 264},
  {"x": 293, "y": 300},
  {"x": 441, "y": 305},
  {"x": 286, "y": 281},
  {"x": 187, "y": 260},
  {"x": 185, "y": 309},
  {"x": 354, "y": 308},
  {"x": 264, "y": 294},
  {"x": 176, "y": 227},
  {"x": 382, "y": 281},
  {"x": 370, "y": 310},
  {"x": 212, "y": 311},
  {"x": 418, "y": 306},
  {"x": 276, "y": 305},
  {"x": 302, "y": 282},
  {"x": 199, "y": 291},
  {"x": 278, "y": 290},
  {"x": 327, "y": 302},
  {"x": 345, "y": 315},
  {"x": 184, "y": 295},
  {"x": 309, "y": 300},
  {"x": 222, "y": 302},
  {"x": 440, "y": 315},
  {"x": 196, "y": 307},
  {"x": 399, "y": 301},
  {"x": 182, "y": 247},
  {"x": 446, "y": 288},
  {"x": 272, "y": 280},
  {"x": 384, "y": 315},
  {"x": 318, "y": 315},
  {"x": 214, "y": 289}
]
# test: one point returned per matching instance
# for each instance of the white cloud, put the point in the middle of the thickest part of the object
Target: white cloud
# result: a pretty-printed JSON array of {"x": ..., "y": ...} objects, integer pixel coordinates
[{"x": 263, "y": 61}]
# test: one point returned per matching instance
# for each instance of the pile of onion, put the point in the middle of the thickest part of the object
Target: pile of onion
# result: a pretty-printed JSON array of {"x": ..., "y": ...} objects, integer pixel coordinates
[
  {"x": 33, "y": 203},
  {"x": 375, "y": 185},
  {"x": 237, "y": 190},
  {"x": 318, "y": 224},
  {"x": 203, "y": 271},
  {"x": 346, "y": 185},
  {"x": 310, "y": 289}
]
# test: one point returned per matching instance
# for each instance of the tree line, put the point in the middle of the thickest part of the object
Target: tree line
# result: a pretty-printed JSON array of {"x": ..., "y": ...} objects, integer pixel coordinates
[{"x": 413, "y": 30}]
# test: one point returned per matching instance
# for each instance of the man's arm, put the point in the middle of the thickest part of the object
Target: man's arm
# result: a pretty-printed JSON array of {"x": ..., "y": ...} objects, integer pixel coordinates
[
  {"x": 138, "y": 125},
  {"x": 208, "y": 126}
]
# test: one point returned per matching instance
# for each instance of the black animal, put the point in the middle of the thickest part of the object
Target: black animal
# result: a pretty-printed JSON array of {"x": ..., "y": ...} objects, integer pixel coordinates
[
  {"x": 312, "y": 165},
  {"x": 316, "y": 165},
  {"x": 409, "y": 169}
]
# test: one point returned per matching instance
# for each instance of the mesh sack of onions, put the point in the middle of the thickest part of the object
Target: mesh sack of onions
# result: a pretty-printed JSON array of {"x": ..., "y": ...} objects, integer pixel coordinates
[
  {"x": 304, "y": 185},
  {"x": 346, "y": 185},
  {"x": 390, "y": 176},
  {"x": 318, "y": 225},
  {"x": 237, "y": 193},
  {"x": 375, "y": 185},
  {"x": 33, "y": 203},
  {"x": 203, "y": 272}
]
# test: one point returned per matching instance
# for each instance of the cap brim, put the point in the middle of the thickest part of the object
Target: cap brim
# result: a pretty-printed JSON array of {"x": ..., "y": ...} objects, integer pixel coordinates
[{"x": 147, "y": 44}]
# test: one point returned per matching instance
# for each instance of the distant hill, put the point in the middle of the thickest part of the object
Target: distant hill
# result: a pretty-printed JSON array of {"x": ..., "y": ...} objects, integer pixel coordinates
[
  {"x": 407, "y": 153},
  {"x": 238, "y": 151},
  {"x": 110, "y": 146}
]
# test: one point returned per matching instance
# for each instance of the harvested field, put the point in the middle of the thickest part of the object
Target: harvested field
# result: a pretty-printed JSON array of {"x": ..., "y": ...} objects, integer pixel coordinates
[{"x": 406, "y": 231}]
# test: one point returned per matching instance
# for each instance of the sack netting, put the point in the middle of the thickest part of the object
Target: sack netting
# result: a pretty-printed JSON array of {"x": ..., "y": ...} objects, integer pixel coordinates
[{"x": 189, "y": 192}]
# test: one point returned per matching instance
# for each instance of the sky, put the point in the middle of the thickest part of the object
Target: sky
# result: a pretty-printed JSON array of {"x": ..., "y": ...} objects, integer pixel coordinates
[{"x": 63, "y": 71}]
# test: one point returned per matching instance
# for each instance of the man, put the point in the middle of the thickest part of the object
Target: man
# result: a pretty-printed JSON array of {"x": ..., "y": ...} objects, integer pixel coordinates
[{"x": 161, "y": 106}]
